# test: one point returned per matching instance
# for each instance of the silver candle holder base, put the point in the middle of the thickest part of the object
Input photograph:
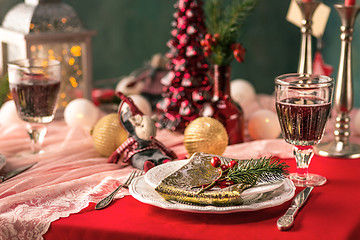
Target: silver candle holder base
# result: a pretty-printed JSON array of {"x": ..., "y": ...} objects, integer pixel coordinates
[
  {"x": 338, "y": 149},
  {"x": 343, "y": 99}
]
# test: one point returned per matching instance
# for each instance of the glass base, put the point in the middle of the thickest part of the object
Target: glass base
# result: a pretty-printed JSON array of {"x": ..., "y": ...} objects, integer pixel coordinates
[
  {"x": 308, "y": 180},
  {"x": 28, "y": 154}
]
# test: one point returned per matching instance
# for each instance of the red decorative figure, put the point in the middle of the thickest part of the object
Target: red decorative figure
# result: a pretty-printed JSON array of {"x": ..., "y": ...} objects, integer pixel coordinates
[{"x": 141, "y": 149}]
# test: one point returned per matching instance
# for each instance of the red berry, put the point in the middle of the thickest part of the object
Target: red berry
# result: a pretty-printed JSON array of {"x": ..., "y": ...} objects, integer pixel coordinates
[
  {"x": 208, "y": 36},
  {"x": 235, "y": 46},
  {"x": 232, "y": 163},
  {"x": 239, "y": 54},
  {"x": 225, "y": 183},
  {"x": 215, "y": 162},
  {"x": 224, "y": 167},
  {"x": 216, "y": 36}
]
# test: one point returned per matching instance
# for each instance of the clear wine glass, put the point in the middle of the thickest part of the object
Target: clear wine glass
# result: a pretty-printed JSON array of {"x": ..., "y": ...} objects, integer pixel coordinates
[
  {"x": 34, "y": 85},
  {"x": 303, "y": 104}
]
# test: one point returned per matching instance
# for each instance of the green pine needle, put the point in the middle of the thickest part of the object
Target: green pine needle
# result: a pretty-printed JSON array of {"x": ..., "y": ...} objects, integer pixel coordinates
[
  {"x": 227, "y": 20},
  {"x": 249, "y": 172}
]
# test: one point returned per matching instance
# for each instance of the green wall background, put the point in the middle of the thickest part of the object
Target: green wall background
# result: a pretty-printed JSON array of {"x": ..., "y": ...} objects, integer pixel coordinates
[{"x": 129, "y": 32}]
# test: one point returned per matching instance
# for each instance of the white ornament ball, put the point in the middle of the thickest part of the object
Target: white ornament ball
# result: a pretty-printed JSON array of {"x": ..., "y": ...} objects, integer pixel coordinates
[
  {"x": 127, "y": 86},
  {"x": 8, "y": 114},
  {"x": 81, "y": 112},
  {"x": 242, "y": 92},
  {"x": 142, "y": 103},
  {"x": 356, "y": 123},
  {"x": 264, "y": 124}
]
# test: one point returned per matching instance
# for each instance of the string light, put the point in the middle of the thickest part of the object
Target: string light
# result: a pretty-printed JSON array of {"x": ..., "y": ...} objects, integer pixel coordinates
[{"x": 70, "y": 56}]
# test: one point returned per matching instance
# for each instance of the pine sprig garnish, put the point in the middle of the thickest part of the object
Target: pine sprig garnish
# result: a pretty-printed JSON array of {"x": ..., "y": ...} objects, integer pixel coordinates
[
  {"x": 226, "y": 21},
  {"x": 256, "y": 169},
  {"x": 247, "y": 172}
]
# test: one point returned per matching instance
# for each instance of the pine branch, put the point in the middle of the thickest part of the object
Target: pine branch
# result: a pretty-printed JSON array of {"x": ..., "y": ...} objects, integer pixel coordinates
[
  {"x": 250, "y": 172},
  {"x": 237, "y": 14},
  {"x": 227, "y": 22},
  {"x": 253, "y": 170},
  {"x": 214, "y": 10}
]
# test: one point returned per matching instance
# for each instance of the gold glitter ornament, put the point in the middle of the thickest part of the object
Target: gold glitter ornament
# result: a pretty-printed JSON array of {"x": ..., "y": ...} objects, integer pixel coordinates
[
  {"x": 207, "y": 135},
  {"x": 108, "y": 134}
]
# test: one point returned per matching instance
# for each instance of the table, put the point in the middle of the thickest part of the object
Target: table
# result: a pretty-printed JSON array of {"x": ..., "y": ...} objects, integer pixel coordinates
[
  {"x": 55, "y": 199},
  {"x": 332, "y": 212}
]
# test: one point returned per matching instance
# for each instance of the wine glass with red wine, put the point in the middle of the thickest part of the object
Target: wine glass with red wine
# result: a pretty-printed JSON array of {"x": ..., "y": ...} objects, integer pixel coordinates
[
  {"x": 303, "y": 104},
  {"x": 34, "y": 85}
]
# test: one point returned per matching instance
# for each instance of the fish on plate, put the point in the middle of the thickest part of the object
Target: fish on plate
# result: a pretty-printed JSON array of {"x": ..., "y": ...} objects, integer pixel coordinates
[{"x": 200, "y": 182}]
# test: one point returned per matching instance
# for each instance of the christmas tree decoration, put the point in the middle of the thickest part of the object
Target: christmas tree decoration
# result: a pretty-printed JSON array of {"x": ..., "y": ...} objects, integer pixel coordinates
[
  {"x": 186, "y": 86},
  {"x": 206, "y": 135},
  {"x": 242, "y": 92},
  {"x": 81, "y": 113},
  {"x": 264, "y": 124},
  {"x": 108, "y": 134}
]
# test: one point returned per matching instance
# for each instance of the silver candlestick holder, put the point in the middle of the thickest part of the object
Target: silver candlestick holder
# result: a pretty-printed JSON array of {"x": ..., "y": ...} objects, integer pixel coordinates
[
  {"x": 305, "y": 59},
  {"x": 343, "y": 98}
]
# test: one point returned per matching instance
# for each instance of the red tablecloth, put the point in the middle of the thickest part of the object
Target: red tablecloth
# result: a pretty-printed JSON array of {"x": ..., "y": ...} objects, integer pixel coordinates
[{"x": 332, "y": 212}]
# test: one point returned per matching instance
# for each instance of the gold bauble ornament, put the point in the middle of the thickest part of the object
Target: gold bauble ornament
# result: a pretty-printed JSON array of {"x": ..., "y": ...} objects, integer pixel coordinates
[
  {"x": 108, "y": 134},
  {"x": 207, "y": 135}
]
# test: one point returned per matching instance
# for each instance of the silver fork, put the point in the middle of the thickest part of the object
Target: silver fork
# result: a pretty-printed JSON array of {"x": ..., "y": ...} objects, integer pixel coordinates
[{"x": 108, "y": 199}]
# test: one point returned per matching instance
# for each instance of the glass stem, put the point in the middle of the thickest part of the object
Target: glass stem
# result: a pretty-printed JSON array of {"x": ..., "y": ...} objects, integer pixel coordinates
[
  {"x": 37, "y": 133},
  {"x": 303, "y": 156}
]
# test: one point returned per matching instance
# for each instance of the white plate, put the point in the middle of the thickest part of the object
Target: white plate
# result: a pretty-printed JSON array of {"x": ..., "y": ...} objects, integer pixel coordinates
[
  {"x": 154, "y": 176},
  {"x": 145, "y": 193}
]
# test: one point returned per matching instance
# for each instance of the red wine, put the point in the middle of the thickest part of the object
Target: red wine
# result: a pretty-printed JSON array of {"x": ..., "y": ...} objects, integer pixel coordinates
[
  {"x": 303, "y": 119},
  {"x": 35, "y": 100}
]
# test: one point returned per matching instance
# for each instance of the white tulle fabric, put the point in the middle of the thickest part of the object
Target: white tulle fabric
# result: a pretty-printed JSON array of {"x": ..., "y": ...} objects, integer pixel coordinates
[{"x": 71, "y": 174}]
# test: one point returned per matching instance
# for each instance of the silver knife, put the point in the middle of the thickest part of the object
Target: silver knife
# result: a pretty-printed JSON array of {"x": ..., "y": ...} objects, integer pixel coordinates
[
  {"x": 15, "y": 172},
  {"x": 287, "y": 220}
]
